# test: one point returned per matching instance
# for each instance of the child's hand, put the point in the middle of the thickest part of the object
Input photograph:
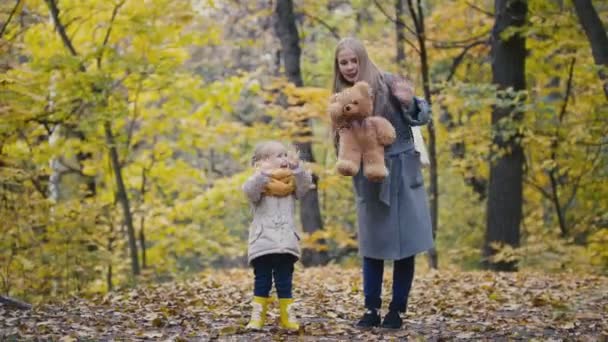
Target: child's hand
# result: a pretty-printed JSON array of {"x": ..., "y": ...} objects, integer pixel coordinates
[{"x": 403, "y": 90}]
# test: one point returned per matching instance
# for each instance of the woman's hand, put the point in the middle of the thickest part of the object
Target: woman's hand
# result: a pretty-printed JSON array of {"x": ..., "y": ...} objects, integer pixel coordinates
[
  {"x": 403, "y": 90},
  {"x": 293, "y": 158}
]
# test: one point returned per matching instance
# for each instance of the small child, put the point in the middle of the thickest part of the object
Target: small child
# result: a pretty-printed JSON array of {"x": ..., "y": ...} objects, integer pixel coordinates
[{"x": 279, "y": 180}]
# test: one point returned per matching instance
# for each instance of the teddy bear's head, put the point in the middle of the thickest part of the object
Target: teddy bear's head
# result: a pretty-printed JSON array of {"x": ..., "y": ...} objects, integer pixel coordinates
[{"x": 352, "y": 103}]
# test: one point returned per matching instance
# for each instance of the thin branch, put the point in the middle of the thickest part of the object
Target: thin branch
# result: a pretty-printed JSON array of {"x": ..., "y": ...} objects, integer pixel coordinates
[
  {"x": 458, "y": 60},
  {"x": 394, "y": 20},
  {"x": 592, "y": 144},
  {"x": 554, "y": 146},
  {"x": 420, "y": 19},
  {"x": 60, "y": 28},
  {"x": 568, "y": 90},
  {"x": 108, "y": 32},
  {"x": 480, "y": 10},
  {"x": 400, "y": 22},
  {"x": 538, "y": 187},
  {"x": 410, "y": 6},
  {"x": 582, "y": 176},
  {"x": 333, "y": 30},
  {"x": 131, "y": 128},
  {"x": 10, "y": 16},
  {"x": 454, "y": 44}
]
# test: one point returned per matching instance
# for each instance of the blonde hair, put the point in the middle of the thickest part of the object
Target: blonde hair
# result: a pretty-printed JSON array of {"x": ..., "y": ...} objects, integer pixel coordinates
[
  {"x": 368, "y": 72},
  {"x": 265, "y": 149}
]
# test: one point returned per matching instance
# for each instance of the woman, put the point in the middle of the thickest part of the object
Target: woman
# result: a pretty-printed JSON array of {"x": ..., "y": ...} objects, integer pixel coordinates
[{"x": 393, "y": 216}]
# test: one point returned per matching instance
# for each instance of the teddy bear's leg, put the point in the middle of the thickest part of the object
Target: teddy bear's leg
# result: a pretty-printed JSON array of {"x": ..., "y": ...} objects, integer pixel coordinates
[
  {"x": 349, "y": 154},
  {"x": 374, "y": 167}
]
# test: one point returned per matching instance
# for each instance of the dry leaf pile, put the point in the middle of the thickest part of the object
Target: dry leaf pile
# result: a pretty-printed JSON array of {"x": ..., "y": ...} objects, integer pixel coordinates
[{"x": 443, "y": 305}]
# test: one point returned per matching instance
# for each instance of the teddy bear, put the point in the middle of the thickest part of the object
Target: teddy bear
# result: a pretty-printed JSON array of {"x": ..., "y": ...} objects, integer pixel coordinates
[{"x": 362, "y": 135}]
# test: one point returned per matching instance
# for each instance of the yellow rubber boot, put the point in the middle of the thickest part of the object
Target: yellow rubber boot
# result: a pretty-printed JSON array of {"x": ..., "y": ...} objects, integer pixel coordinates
[
  {"x": 288, "y": 318},
  {"x": 258, "y": 313}
]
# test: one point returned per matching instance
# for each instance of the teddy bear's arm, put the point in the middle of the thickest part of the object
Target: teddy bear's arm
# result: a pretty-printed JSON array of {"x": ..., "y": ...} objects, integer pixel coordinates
[{"x": 384, "y": 130}]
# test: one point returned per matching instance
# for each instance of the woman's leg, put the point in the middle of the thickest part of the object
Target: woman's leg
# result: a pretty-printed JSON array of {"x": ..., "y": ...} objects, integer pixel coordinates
[
  {"x": 372, "y": 282},
  {"x": 403, "y": 275},
  {"x": 372, "y": 289}
]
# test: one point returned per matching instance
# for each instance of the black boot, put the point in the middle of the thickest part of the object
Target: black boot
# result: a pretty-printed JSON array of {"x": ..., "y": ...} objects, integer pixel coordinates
[
  {"x": 392, "y": 320},
  {"x": 370, "y": 319}
]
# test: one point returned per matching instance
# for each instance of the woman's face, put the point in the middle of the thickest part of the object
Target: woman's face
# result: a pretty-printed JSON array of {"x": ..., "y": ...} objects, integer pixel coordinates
[{"x": 348, "y": 65}]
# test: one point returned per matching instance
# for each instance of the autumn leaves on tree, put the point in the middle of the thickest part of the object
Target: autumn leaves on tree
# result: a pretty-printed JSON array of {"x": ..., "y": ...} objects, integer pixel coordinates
[{"x": 125, "y": 125}]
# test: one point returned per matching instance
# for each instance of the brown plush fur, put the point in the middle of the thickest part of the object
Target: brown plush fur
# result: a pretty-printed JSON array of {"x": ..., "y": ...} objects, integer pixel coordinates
[
  {"x": 362, "y": 135},
  {"x": 282, "y": 183}
]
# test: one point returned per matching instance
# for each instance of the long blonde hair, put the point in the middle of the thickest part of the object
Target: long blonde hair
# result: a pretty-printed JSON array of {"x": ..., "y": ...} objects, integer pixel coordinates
[{"x": 368, "y": 72}]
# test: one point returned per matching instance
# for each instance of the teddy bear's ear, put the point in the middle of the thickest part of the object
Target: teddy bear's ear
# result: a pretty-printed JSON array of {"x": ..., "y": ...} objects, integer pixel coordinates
[
  {"x": 361, "y": 85},
  {"x": 364, "y": 88}
]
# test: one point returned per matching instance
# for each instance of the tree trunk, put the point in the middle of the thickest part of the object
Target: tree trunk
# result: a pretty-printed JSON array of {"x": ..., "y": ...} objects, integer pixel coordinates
[
  {"x": 504, "y": 207},
  {"x": 109, "y": 275},
  {"x": 400, "y": 34},
  {"x": 142, "y": 219},
  {"x": 66, "y": 180},
  {"x": 477, "y": 183},
  {"x": 142, "y": 242},
  {"x": 418, "y": 18},
  {"x": 596, "y": 34},
  {"x": 287, "y": 32},
  {"x": 122, "y": 193},
  {"x": 123, "y": 198}
]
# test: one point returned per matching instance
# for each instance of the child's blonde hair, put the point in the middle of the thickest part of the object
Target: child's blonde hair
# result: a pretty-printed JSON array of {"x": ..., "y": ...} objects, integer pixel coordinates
[{"x": 264, "y": 150}]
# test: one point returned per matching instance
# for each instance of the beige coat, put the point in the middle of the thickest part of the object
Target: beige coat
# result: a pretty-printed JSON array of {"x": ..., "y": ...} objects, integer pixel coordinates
[{"x": 273, "y": 229}]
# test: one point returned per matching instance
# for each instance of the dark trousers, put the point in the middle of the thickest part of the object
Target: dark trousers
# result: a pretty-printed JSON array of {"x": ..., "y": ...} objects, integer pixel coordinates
[
  {"x": 403, "y": 274},
  {"x": 277, "y": 266}
]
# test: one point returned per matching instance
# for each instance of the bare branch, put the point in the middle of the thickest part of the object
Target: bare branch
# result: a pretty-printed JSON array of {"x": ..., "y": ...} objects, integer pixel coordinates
[
  {"x": 456, "y": 62},
  {"x": 400, "y": 22},
  {"x": 410, "y": 6},
  {"x": 480, "y": 10},
  {"x": 107, "y": 37},
  {"x": 131, "y": 128},
  {"x": 333, "y": 30},
  {"x": 552, "y": 173},
  {"x": 10, "y": 16},
  {"x": 60, "y": 28},
  {"x": 454, "y": 44},
  {"x": 538, "y": 187},
  {"x": 582, "y": 176},
  {"x": 394, "y": 20},
  {"x": 568, "y": 90}
]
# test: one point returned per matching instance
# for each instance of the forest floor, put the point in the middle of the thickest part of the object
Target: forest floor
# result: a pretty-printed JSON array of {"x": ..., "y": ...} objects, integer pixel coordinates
[{"x": 444, "y": 305}]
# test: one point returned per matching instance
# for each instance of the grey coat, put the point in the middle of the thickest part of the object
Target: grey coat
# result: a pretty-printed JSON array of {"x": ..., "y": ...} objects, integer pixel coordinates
[
  {"x": 273, "y": 229},
  {"x": 393, "y": 216}
]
